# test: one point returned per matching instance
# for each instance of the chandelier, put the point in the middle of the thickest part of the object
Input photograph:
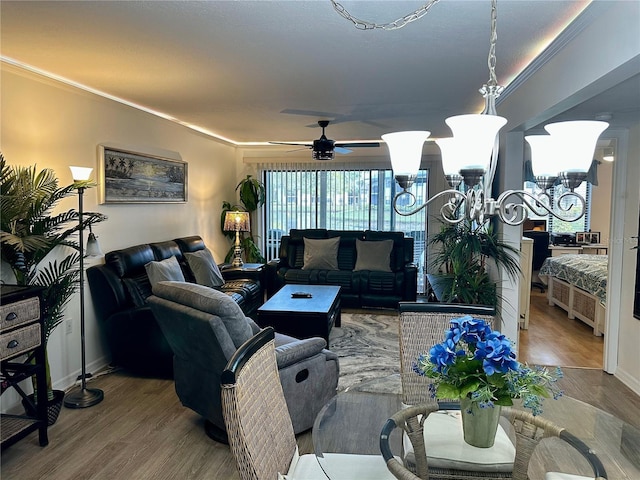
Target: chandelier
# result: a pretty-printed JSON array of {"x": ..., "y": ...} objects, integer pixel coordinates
[{"x": 469, "y": 157}]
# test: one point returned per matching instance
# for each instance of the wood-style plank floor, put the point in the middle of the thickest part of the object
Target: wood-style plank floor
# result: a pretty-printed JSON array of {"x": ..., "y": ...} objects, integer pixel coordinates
[
  {"x": 553, "y": 339},
  {"x": 142, "y": 432}
]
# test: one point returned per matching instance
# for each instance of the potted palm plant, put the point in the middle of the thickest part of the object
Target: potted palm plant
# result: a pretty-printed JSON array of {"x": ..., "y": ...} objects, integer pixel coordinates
[
  {"x": 30, "y": 232},
  {"x": 252, "y": 195},
  {"x": 464, "y": 252}
]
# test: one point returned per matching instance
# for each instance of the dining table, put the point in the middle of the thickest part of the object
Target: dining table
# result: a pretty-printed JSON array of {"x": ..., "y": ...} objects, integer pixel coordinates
[{"x": 351, "y": 423}]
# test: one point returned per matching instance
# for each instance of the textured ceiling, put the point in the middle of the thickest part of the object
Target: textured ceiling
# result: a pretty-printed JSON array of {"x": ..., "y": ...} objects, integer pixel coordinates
[{"x": 257, "y": 71}]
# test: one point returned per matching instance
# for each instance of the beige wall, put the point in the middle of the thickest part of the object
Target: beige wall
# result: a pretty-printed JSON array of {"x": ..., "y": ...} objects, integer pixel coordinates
[{"x": 53, "y": 125}]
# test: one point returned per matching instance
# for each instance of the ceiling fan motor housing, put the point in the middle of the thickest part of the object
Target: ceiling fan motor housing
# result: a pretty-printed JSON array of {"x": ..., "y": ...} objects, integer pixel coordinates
[{"x": 323, "y": 149}]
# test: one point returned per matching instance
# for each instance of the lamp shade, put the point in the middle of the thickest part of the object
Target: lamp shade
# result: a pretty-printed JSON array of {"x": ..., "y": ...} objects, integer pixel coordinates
[
  {"x": 575, "y": 142},
  {"x": 236, "y": 221},
  {"x": 544, "y": 160},
  {"x": 451, "y": 159},
  {"x": 93, "y": 247},
  {"x": 405, "y": 150},
  {"x": 80, "y": 173},
  {"x": 475, "y": 136}
]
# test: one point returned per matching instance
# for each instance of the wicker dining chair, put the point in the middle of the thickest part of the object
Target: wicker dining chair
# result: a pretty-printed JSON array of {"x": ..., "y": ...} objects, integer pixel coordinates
[
  {"x": 529, "y": 431},
  {"x": 260, "y": 432},
  {"x": 421, "y": 326}
]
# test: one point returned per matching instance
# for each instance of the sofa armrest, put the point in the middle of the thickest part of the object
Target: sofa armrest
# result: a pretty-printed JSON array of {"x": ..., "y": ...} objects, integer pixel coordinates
[{"x": 293, "y": 352}]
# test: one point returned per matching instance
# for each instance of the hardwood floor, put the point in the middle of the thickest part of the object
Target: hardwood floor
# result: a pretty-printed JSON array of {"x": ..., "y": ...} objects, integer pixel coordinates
[
  {"x": 142, "y": 432},
  {"x": 553, "y": 339}
]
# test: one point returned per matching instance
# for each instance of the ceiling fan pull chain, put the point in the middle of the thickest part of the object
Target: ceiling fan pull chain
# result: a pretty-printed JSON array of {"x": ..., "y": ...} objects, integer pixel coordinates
[{"x": 396, "y": 24}]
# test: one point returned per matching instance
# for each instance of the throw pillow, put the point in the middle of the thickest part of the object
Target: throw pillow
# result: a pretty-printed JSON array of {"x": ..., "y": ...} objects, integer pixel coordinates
[
  {"x": 321, "y": 254},
  {"x": 374, "y": 256},
  {"x": 204, "y": 268},
  {"x": 165, "y": 270},
  {"x": 211, "y": 301}
]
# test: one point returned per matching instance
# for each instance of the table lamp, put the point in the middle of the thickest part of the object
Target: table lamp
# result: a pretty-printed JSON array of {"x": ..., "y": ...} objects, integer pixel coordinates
[{"x": 237, "y": 222}]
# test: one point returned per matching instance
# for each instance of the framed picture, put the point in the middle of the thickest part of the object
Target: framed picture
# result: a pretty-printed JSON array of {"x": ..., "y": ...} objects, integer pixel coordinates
[
  {"x": 580, "y": 237},
  {"x": 593, "y": 237},
  {"x": 134, "y": 177}
]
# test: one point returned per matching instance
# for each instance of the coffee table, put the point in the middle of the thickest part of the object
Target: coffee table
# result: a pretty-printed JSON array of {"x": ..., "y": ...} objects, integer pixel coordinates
[
  {"x": 351, "y": 423},
  {"x": 303, "y": 317}
]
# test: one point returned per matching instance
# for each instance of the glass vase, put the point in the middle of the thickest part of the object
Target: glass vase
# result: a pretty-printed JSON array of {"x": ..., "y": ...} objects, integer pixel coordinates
[{"x": 479, "y": 424}]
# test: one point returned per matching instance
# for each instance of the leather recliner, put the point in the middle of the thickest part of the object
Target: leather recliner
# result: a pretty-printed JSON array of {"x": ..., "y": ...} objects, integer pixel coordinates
[{"x": 204, "y": 328}]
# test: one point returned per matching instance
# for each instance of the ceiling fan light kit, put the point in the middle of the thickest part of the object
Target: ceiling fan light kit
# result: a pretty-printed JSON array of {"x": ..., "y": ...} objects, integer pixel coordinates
[{"x": 471, "y": 154}]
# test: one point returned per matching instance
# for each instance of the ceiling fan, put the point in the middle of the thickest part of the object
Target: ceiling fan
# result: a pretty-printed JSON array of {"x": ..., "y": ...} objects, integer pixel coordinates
[{"x": 325, "y": 148}]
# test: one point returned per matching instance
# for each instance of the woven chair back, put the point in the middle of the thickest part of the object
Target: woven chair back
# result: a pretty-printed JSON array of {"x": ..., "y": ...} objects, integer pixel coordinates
[
  {"x": 421, "y": 326},
  {"x": 255, "y": 412}
]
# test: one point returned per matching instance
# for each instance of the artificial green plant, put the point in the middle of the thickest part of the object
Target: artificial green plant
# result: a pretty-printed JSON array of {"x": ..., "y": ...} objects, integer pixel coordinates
[
  {"x": 252, "y": 194},
  {"x": 463, "y": 253}
]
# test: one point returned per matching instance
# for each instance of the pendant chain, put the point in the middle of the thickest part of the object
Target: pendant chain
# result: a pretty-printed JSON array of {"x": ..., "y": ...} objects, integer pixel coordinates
[
  {"x": 493, "y": 81},
  {"x": 396, "y": 24}
]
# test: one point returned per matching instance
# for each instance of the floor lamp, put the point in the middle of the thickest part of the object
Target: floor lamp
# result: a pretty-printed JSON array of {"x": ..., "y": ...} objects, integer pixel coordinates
[
  {"x": 82, "y": 397},
  {"x": 237, "y": 222}
]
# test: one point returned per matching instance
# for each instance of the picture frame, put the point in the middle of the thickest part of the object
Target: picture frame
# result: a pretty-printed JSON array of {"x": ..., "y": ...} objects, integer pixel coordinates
[
  {"x": 128, "y": 176},
  {"x": 580, "y": 237},
  {"x": 593, "y": 237}
]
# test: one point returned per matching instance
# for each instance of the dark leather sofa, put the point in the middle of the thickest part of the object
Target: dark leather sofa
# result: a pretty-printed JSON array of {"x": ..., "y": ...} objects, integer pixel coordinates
[
  {"x": 362, "y": 288},
  {"x": 120, "y": 288}
]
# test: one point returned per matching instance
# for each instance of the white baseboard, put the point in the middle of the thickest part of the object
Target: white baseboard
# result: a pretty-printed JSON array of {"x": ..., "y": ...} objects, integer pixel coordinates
[
  {"x": 629, "y": 380},
  {"x": 12, "y": 403}
]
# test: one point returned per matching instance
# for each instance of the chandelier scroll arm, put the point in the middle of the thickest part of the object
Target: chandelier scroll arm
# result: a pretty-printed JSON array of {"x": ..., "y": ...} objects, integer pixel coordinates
[
  {"x": 514, "y": 214},
  {"x": 448, "y": 210}
]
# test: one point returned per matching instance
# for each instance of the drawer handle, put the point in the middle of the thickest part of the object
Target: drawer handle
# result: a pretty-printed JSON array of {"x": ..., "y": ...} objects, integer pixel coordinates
[
  {"x": 11, "y": 317},
  {"x": 13, "y": 344}
]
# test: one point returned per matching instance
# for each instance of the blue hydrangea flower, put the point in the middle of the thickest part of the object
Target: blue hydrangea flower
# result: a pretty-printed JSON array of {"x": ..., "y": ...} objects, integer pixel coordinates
[
  {"x": 496, "y": 355},
  {"x": 444, "y": 354}
]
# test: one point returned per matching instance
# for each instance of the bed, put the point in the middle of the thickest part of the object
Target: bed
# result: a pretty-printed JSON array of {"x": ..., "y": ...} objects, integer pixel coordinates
[{"x": 578, "y": 284}]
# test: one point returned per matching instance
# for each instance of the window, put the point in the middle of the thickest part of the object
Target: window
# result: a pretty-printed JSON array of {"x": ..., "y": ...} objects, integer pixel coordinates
[
  {"x": 558, "y": 226},
  {"x": 339, "y": 199}
]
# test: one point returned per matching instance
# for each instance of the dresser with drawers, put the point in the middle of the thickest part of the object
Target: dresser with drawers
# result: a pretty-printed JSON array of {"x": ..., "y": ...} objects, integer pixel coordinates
[{"x": 22, "y": 355}]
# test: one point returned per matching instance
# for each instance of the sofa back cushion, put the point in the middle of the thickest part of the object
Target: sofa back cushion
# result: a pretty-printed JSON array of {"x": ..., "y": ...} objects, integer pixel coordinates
[
  {"x": 347, "y": 248},
  {"x": 210, "y": 301},
  {"x": 128, "y": 264}
]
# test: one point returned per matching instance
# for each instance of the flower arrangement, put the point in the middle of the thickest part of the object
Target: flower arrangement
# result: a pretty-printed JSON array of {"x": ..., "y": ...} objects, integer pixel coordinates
[{"x": 477, "y": 362}]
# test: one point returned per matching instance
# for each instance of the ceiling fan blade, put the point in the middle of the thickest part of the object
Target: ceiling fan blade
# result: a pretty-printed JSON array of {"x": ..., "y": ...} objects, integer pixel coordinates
[
  {"x": 357, "y": 145},
  {"x": 308, "y": 145},
  {"x": 310, "y": 113},
  {"x": 342, "y": 150}
]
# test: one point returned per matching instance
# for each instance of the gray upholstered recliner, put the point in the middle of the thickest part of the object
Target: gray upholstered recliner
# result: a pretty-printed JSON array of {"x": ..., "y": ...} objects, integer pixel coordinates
[{"x": 204, "y": 327}]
